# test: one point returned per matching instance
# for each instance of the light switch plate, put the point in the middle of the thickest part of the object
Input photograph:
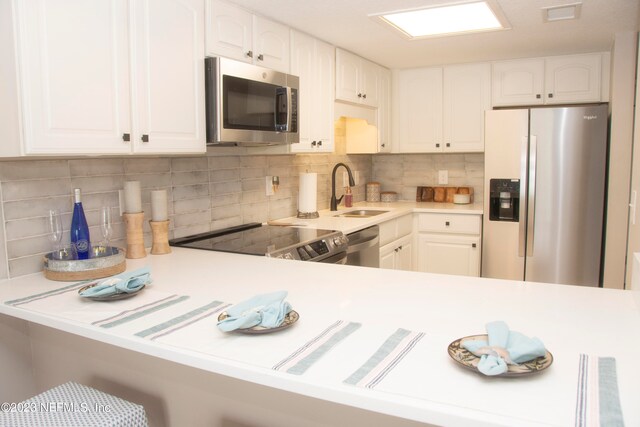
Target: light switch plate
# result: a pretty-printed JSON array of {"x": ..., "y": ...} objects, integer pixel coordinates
[{"x": 443, "y": 177}]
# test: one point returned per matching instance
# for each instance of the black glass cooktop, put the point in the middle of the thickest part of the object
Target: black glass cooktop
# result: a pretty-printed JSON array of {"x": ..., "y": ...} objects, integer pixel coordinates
[{"x": 251, "y": 239}]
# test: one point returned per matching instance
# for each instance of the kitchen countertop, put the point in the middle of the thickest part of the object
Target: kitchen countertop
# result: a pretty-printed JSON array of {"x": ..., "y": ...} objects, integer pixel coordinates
[
  {"x": 329, "y": 221},
  {"x": 426, "y": 386}
]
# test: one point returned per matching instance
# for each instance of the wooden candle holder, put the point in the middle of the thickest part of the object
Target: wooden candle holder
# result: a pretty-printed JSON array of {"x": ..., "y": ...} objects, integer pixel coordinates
[
  {"x": 160, "y": 232},
  {"x": 135, "y": 239}
]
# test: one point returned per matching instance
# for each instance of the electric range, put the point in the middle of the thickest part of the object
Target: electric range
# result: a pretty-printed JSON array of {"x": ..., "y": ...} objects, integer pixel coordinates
[{"x": 287, "y": 242}]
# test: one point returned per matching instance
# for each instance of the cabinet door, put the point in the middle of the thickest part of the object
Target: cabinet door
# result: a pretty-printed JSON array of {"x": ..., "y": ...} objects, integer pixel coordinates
[
  {"x": 369, "y": 83},
  {"x": 420, "y": 110},
  {"x": 302, "y": 65},
  {"x": 314, "y": 62},
  {"x": 388, "y": 257},
  {"x": 573, "y": 79},
  {"x": 518, "y": 82},
  {"x": 404, "y": 260},
  {"x": 324, "y": 86},
  {"x": 74, "y": 59},
  {"x": 347, "y": 77},
  {"x": 271, "y": 44},
  {"x": 449, "y": 254},
  {"x": 466, "y": 97},
  {"x": 384, "y": 111},
  {"x": 169, "y": 75},
  {"x": 229, "y": 31}
]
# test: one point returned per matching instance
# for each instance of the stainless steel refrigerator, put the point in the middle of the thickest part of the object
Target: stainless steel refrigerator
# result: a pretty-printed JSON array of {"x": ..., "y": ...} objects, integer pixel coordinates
[{"x": 544, "y": 194}]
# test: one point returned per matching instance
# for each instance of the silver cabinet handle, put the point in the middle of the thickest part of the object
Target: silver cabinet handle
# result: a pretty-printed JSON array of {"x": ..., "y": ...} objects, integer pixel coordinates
[
  {"x": 320, "y": 143},
  {"x": 126, "y": 137},
  {"x": 364, "y": 96},
  {"x": 538, "y": 96},
  {"x": 531, "y": 199},
  {"x": 249, "y": 54},
  {"x": 145, "y": 138},
  {"x": 550, "y": 95},
  {"x": 313, "y": 143},
  {"x": 261, "y": 57},
  {"x": 438, "y": 145},
  {"x": 382, "y": 145},
  {"x": 359, "y": 95}
]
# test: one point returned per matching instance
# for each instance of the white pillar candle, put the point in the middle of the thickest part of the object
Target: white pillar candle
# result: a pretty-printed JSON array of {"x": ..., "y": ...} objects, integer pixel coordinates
[
  {"x": 159, "y": 205},
  {"x": 132, "y": 197},
  {"x": 307, "y": 193}
]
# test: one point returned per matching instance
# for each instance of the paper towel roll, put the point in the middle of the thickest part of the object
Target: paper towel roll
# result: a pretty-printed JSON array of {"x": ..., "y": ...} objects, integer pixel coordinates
[{"x": 307, "y": 193}]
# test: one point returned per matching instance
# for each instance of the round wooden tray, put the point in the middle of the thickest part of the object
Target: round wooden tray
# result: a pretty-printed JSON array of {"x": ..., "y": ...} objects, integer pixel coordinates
[{"x": 106, "y": 261}]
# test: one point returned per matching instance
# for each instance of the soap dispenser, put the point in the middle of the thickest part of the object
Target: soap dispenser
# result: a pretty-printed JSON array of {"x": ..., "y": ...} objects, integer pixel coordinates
[{"x": 348, "y": 197}]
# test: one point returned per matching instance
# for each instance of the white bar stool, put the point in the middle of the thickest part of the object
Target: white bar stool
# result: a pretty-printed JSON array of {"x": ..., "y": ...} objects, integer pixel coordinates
[{"x": 74, "y": 405}]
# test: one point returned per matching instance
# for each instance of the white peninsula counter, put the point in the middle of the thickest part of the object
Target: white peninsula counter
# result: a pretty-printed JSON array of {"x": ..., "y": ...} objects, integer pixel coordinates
[{"x": 186, "y": 372}]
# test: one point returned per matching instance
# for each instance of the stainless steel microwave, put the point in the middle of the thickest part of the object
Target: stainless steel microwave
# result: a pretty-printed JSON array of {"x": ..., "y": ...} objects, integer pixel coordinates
[{"x": 249, "y": 105}]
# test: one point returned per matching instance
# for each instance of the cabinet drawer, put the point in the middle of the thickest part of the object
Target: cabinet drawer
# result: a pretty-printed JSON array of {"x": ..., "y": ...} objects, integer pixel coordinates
[
  {"x": 449, "y": 223},
  {"x": 395, "y": 228}
]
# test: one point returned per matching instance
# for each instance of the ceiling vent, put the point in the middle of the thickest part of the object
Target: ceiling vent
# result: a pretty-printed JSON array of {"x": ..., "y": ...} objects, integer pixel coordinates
[{"x": 562, "y": 12}]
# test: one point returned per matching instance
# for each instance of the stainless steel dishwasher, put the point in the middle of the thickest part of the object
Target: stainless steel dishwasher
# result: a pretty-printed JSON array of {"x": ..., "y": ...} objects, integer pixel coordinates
[{"x": 364, "y": 247}]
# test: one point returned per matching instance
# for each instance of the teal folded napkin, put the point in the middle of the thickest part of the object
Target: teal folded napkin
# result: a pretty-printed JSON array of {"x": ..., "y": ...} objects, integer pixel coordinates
[
  {"x": 127, "y": 282},
  {"x": 503, "y": 348},
  {"x": 267, "y": 310}
]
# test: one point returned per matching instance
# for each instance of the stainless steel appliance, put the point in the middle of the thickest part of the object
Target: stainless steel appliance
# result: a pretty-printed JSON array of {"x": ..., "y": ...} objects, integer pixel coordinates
[
  {"x": 364, "y": 247},
  {"x": 302, "y": 244},
  {"x": 249, "y": 105},
  {"x": 545, "y": 194}
]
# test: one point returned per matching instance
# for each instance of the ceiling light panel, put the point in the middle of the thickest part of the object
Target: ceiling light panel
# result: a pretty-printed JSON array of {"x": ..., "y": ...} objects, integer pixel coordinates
[{"x": 444, "y": 20}]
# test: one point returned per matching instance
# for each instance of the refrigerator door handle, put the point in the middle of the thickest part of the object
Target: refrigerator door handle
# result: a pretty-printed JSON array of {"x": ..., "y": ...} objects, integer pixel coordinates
[
  {"x": 522, "y": 221},
  {"x": 531, "y": 196}
]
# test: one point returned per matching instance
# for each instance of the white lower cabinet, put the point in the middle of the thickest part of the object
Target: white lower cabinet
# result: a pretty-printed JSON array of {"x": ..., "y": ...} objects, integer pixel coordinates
[
  {"x": 397, "y": 255},
  {"x": 449, "y": 244},
  {"x": 396, "y": 243}
]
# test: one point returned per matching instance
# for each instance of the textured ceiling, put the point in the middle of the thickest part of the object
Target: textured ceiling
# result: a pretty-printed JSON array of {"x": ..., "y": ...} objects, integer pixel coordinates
[{"x": 345, "y": 23}]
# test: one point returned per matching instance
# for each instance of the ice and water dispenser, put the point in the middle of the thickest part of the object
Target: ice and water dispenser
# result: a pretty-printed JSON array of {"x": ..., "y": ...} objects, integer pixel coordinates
[{"x": 504, "y": 201}]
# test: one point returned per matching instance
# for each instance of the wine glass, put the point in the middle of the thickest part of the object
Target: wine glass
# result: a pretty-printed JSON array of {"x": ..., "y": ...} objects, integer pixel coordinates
[
  {"x": 106, "y": 228},
  {"x": 54, "y": 229}
]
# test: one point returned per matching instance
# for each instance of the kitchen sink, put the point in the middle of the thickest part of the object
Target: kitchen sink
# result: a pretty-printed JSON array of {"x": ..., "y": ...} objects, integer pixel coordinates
[{"x": 361, "y": 213}]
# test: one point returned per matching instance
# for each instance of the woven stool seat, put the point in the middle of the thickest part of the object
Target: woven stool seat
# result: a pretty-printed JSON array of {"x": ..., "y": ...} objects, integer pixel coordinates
[{"x": 74, "y": 405}]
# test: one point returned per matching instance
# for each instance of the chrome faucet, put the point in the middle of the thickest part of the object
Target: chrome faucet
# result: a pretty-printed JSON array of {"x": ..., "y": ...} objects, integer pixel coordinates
[{"x": 352, "y": 183}]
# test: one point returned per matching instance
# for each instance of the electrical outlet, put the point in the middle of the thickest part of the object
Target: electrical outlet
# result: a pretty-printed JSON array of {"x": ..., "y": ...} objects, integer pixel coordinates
[
  {"x": 443, "y": 177},
  {"x": 269, "y": 185},
  {"x": 356, "y": 177}
]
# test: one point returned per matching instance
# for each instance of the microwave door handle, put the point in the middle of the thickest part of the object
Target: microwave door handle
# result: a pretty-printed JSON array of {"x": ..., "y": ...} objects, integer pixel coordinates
[{"x": 283, "y": 100}]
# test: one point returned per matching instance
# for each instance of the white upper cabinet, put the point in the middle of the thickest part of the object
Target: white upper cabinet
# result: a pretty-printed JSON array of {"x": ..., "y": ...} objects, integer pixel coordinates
[
  {"x": 314, "y": 62},
  {"x": 235, "y": 33},
  {"x": 518, "y": 82},
  {"x": 384, "y": 111},
  {"x": 551, "y": 80},
  {"x": 169, "y": 75},
  {"x": 229, "y": 31},
  {"x": 356, "y": 79},
  {"x": 419, "y": 104},
  {"x": 573, "y": 79},
  {"x": 442, "y": 109},
  {"x": 466, "y": 96},
  {"x": 95, "y": 81}
]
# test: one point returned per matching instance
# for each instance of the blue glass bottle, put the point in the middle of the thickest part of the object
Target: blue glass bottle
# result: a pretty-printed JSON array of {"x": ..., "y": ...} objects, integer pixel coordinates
[{"x": 79, "y": 229}]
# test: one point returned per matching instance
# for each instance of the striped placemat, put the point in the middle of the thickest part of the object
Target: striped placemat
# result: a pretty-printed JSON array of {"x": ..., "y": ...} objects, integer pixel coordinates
[
  {"x": 598, "y": 401},
  {"x": 387, "y": 357},
  {"x": 309, "y": 353},
  {"x": 47, "y": 294},
  {"x": 180, "y": 322},
  {"x": 65, "y": 302}
]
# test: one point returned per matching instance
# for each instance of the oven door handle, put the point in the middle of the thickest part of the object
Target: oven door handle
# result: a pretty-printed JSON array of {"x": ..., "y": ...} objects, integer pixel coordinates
[
  {"x": 339, "y": 258},
  {"x": 361, "y": 244}
]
